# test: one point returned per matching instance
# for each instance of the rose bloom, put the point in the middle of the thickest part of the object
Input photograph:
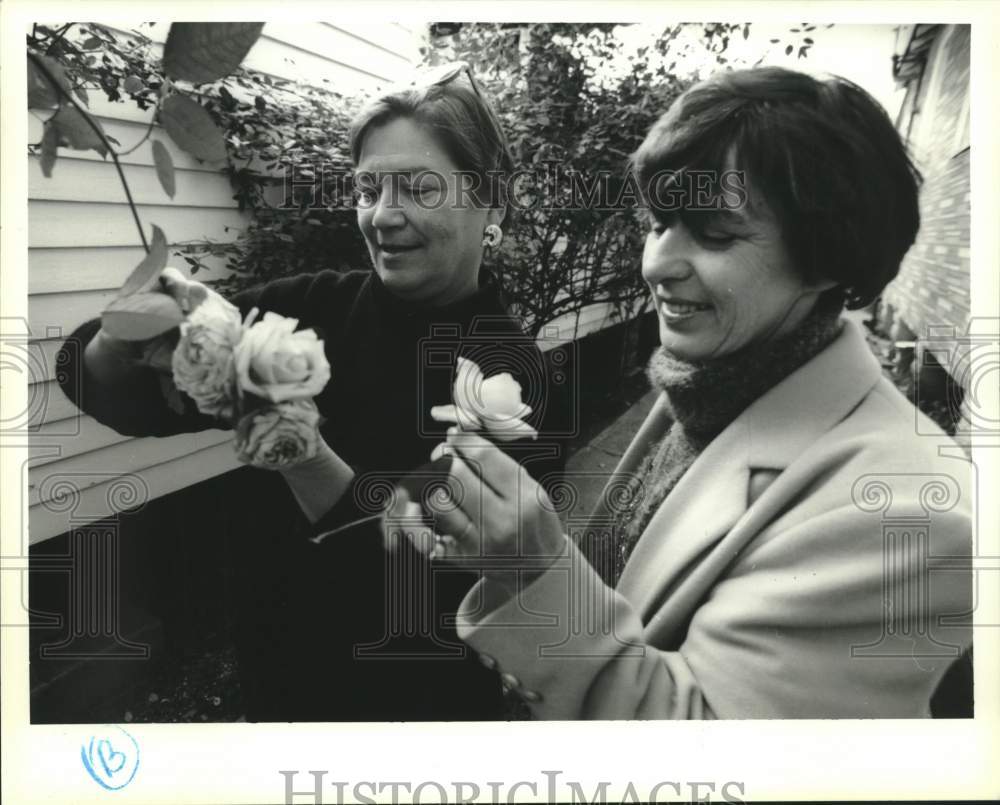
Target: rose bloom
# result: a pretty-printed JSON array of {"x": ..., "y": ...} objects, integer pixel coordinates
[
  {"x": 202, "y": 361},
  {"x": 492, "y": 404},
  {"x": 278, "y": 435},
  {"x": 276, "y": 363},
  {"x": 500, "y": 396}
]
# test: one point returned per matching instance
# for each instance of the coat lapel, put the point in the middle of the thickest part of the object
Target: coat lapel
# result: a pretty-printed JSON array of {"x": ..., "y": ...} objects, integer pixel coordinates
[
  {"x": 596, "y": 539},
  {"x": 711, "y": 499},
  {"x": 707, "y": 501},
  {"x": 653, "y": 428}
]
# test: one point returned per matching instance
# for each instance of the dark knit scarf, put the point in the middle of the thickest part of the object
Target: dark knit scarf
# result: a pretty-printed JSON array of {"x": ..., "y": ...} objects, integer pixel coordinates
[{"x": 703, "y": 398}]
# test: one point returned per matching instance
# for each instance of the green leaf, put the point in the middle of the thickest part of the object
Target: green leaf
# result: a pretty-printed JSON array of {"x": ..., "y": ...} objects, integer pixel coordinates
[
  {"x": 145, "y": 274},
  {"x": 133, "y": 84},
  {"x": 157, "y": 354},
  {"x": 50, "y": 145},
  {"x": 74, "y": 131},
  {"x": 141, "y": 316},
  {"x": 41, "y": 93},
  {"x": 192, "y": 128},
  {"x": 207, "y": 51},
  {"x": 164, "y": 168}
]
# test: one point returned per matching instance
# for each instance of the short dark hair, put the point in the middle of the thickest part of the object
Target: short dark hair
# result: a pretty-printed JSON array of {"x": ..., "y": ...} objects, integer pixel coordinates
[
  {"x": 824, "y": 156},
  {"x": 461, "y": 119}
]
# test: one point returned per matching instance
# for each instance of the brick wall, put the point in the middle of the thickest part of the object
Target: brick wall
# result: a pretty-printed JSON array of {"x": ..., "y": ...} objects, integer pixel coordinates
[
  {"x": 932, "y": 288},
  {"x": 933, "y": 284}
]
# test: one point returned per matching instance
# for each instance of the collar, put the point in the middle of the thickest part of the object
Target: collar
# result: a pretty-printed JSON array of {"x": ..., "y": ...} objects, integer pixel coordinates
[
  {"x": 705, "y": 396},
  {"x": 712, "y": 496},
  {"x": 786, "y": 420}
]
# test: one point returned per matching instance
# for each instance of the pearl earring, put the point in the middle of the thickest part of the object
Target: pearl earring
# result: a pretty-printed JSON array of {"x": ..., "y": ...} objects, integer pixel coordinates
[{"x": 492, "y": 236}]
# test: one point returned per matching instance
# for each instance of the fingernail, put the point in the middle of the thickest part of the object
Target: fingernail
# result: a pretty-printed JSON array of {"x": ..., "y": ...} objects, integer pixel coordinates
[{"x": 442, "y": 449}]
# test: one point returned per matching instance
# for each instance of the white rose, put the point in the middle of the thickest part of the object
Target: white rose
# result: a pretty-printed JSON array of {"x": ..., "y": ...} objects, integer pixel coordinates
[
  {"x": 276, "y": 363},
  {"x": 500, "y": 397},
  {"x": 202, "y": 361},
  {"x": 278, "y": 435},
  {"x": 492, "y": 404}
]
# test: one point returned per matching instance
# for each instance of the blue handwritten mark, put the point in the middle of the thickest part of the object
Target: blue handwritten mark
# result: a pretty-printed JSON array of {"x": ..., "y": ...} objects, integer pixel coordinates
[{"x": 111, "y": 757}]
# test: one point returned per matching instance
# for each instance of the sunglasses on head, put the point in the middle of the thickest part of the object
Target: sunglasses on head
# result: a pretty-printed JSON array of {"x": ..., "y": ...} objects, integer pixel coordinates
[{"x": 445, "y": 73}]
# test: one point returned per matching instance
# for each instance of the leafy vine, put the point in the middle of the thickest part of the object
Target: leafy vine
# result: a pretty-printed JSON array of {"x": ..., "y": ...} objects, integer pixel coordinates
[{"x": 283, "y": 144}]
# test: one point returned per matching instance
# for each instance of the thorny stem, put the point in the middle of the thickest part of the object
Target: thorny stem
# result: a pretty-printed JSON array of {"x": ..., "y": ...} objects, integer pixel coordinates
[
  {"x": 149, "y": 131},
  {"x": 97, "y": 130},
  {"x": 59, "y": 36}
]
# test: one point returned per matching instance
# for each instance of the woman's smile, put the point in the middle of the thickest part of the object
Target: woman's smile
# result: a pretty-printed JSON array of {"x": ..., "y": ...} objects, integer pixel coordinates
[
  {"x": 716, "y": 295},
  {"x": 674, "y": 311},
  {"x": 424, "y": 244},
  {"x": 394, "y": 252}
]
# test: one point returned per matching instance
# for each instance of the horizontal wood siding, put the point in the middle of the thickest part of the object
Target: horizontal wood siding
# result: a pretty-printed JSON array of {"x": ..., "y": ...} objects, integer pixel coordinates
[
  {"x": 589, "y": 319},
  {"x": 82, "y": 243}
]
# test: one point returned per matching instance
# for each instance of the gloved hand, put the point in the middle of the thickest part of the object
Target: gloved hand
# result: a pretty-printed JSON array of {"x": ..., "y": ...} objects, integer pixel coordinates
[{"x": 108, "y": 357}]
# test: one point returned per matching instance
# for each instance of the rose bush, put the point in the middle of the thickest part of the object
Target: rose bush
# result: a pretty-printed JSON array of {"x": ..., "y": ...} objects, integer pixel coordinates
[
  {"x": 278, "y": 435},
  {"x": 275, "y": 362}
]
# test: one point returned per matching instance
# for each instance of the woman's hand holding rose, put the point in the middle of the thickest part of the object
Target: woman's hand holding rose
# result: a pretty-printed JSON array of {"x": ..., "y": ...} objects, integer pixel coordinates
[
  {"x": 494, "y": 510},
  {"x": 202, "y": 360},
  {"x": 276, "y": 371},
  {"x": 112, "y": 359}
]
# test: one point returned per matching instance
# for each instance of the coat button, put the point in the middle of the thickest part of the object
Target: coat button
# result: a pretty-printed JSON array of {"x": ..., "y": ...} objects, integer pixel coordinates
[
  {"x": 510, "y": 681},
  {"x": 531, "y": 695},
  {"x": 488, "y": 661}
]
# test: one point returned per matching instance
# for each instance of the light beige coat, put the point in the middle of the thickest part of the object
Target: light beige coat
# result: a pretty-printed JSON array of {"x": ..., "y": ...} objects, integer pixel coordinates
[{"x": 796, "y": 570}]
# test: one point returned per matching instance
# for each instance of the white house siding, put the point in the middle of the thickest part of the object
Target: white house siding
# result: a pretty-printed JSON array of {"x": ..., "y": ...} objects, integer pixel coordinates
[
  {"x": 590, "y": 319},
  {"x": 82, "y": 243}
]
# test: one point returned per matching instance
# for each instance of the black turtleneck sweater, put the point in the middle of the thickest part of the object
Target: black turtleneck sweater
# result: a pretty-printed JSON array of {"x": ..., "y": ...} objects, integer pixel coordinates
[{"x": 391, "y": 361}]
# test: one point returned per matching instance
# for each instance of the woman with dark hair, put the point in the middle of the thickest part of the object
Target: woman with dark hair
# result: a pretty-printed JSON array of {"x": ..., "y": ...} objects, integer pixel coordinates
[
  {"x": 330, "y": 650},
  {"x": 773, "y": 556}
]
